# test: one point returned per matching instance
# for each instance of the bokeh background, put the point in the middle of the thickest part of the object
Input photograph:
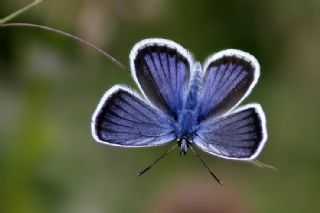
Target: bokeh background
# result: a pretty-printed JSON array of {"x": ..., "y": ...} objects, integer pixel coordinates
[{"x": 50, "y": 86}]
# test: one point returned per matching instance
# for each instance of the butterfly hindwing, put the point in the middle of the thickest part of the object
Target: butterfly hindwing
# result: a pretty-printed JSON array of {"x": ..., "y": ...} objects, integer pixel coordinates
[
  {"x": 162, "y": 70},
  {"x": 240, "y": 135},
  {"x": 123, "y": 119},
  {"x": 229, "y": 77}
]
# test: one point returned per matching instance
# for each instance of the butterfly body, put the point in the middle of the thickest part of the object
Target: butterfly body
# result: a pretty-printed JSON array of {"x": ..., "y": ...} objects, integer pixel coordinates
[
  {"x": 184, "y": 102},
  {"x": 187, "y": 122}
]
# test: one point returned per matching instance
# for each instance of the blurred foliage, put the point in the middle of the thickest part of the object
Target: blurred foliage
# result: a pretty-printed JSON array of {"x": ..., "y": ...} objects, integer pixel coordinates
[{"x": 49, "y": 87}]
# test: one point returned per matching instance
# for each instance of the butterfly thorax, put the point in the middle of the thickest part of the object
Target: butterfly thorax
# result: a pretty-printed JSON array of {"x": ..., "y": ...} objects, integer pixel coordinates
[{"x": 186, "y": 124}]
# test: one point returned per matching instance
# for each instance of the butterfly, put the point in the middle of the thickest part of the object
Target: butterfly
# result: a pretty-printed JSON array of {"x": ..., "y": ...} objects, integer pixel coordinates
[{"x": 184, "y": 102}]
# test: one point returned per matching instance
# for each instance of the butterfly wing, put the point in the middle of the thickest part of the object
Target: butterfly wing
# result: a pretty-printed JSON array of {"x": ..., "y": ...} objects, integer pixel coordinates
[
  {"x": 229, "y": 77},
  {"x": 123, "y": 119},
  {"x": 240, "y": 135},
  {"x": 161, "y": 68}
]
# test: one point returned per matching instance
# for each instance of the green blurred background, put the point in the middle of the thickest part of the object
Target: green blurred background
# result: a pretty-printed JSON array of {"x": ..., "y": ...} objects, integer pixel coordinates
[{"x": 50, "y": 86}]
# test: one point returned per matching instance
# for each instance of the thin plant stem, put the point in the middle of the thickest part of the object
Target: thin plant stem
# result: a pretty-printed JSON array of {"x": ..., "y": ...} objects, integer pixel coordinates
[
  {"x": 18, "y": 12},
  {"x": 262, "y": 165},
  {"x": 76, "y": 38}
]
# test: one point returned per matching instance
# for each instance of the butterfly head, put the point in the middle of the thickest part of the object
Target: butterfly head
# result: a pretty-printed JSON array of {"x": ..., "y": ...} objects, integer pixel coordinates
[{"x": 184, "y": 144}]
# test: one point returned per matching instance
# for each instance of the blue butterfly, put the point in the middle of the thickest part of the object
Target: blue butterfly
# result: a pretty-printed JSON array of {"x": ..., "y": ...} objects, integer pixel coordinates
[{"x": 184, "y": 102}]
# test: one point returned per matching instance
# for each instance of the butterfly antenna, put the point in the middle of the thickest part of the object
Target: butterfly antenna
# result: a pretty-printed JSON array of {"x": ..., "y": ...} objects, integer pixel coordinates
[
  {"x": 68, "y": 35},
  {"x": 206, "y": 166},
  {"x": 157, "y": 160}
]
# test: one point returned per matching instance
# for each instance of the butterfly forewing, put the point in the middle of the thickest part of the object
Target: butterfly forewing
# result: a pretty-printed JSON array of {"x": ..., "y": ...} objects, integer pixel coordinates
[
  {"x": 123, "y": 119},
  {"x": 162, "y": 70},
  {"x": 239, "y": 135},
  {"x": 229, "y": 77}
]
